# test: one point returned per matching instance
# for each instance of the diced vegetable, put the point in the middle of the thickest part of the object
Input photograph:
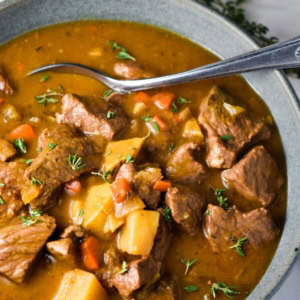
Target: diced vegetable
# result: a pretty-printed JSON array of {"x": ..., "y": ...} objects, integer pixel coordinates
[
  {"x": 90, "y": 253},
  {"x": 80, "y": 285},
  {"x": 129, "y": 205},
  {"x": 120, "y": 189},
  {"x": 184, "y": 114},
  {"x": 96, "y": 204},
  {"x": 73, "y": 187},
  {"x": 233, "y": 110},
  {"x": 29, "y": 192},
  {"x": 161, "y": 185},
  {"x": 143, "y": 97},
  {"x": 9, "y": 113},
  {"x": 119, "y": 150},
  {"x": 114, "y": 222},
  {"x": 192, "y": 131},
  {"x": 156, "y": 124},
  {"x": 139, "y": 108},
  {"x": 163, "y": 100},
  {"x": 137, "y": 235},
  {"x": 24, "y": 131}
]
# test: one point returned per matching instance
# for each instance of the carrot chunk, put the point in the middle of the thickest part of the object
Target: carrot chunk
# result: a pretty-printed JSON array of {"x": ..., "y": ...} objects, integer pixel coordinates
[
  {"x": 143, "y": 97},
  {"x": 90, "y": 253},
  {"x": 24, "y": 131},
  {"x": 163, "y": 99},
  {"x": 120, "y": 189},
  {"x": 161, "y": 185},
  {"x": 73, "y": 187},
  {"x": 161, "y": 124}
]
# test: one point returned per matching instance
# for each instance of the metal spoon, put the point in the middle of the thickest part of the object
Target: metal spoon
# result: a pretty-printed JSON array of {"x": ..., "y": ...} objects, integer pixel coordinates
[{"x": 279, "y": 56}]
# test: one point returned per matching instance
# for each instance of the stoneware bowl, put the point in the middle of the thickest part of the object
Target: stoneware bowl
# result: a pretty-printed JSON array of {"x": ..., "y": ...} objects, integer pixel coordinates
[{"x": 210, "y": 30}]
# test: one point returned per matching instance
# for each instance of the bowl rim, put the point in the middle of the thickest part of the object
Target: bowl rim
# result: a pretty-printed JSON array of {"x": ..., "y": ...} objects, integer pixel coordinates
[{"x": 265, "y": 289}]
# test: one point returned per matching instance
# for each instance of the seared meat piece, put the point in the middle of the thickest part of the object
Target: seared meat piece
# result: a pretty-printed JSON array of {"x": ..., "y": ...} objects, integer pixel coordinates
[
  {"x": 20, "y": 245},
  {"x": 131, "y": 70},
  {"x": 11, "y": 179},
  {"x": 182, "y": 166},
  {"x": 224, "y": 226},
  {"x": 256, "y": 176},
  {"x": 143, "y": 184},
  {"x": 104, "y": 119},
  {"x": 73, "y": 232},
  {"x": 7, "y": 150},
  {"x": 60, "y": 247},
  {"x": 5, "y": 87},
  {"x": 140, "y": 272},
  {"x": 53, "y": 167},
  {"x": 126, "y": 171},
  {"x": 167, "y": 288},
  {"x": 229, "y": 129},
  {"x": 186, "y": 206},
  {"x": 55, "y": 134}
]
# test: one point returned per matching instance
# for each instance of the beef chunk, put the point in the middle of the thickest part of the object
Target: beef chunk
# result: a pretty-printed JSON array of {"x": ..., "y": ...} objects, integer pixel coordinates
[
  {"x": 222, "y": 227},
  {"x": 60, "y": 247},
  {"x": 140, "y": 272},
  {"x": 73, "y": 232},
  {"x": 12, "y": 179},
  {"x": 92, "y": 119},
  {"x": 168, "y": 288},
  {"x": 182, "y": 166},
  {"x": 229, "y": 129},
  {"x": 256, "y": 176},
  {"x": 126, "y": 171},
  {"x": 7, "y": 150},
  {"x": 52, "y": 167},
  {"x": 131, "y": 70},
  {"x": 143, "y": 184},
  {"x": 186, "y": 206},
  {"x": 20, "y": 245},
  {"x": 5, "y": 87}
]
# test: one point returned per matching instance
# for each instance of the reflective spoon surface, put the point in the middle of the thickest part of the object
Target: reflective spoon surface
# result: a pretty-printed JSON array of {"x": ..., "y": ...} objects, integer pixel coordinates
[{"x": 278, "y": 56}]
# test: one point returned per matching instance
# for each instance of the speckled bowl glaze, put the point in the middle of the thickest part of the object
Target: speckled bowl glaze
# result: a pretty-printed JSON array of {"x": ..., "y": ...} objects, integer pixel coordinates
[{"x": 210, "y": 30}]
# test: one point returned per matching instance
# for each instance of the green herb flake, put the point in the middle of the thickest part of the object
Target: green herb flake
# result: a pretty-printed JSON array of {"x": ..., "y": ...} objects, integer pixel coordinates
[
  {"x": 191, "y": 288},
  {"x": 81, "y": 212},
  {"x": 51, "y": 146},
  {"x": 122, "y": 52},
  {"x": 124, "y": 268},
  {"x": 107, "y": 153},
  {"x": 171, "y": 147},
  {"x": 208, "y": 212},
  {"x": 223, "y": 201},
  {"x": 110, "y": 114},
  {"x": 182, "y": 100},
  {"x": 35, "y": 212},
  {"x": 48, "y": 97},
  {"x": 226, "y": 137},
  {"x": 28, "y": 161},
  {"x": 174, "y": 108},
  {"x": 167, "y": 214},
  {"x": 227, "y": 290},
  {"x": 29, "y": 221},
  {"x": 61, "y": 89},
  {"x": 155, "y": 126},
  {"x": 45, "y": 78},
  {"x": 39, "y": 149},
  {"x": 104, "y": 175},
  {"x": 107, "y": 93},
  {"x": 188, "y": 264},
  {"x": 35, "y": 181},
  {"x": 129, "y": 159},
  {"x": 146, "y": 118},
  {"x": 20, "y": 145},
  {"x": 2, "y": 184},
  {"x": 239, "y": 246},
  {"x": 76, "y": 162},
  {"x": 1, "y": 201}
]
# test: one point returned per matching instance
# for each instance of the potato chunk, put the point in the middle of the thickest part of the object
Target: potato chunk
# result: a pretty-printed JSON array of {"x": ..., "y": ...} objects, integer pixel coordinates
[
  {"x": 114, "y": 222},
  {"x": 137, "y": 235},
  {"x": 80, "y": 285},
  {"x": 122, "y": 209},
  {"x": 95, "y": 206},
  {"x": 118, "y": 151},
  {"x": 191, "y": 131}
]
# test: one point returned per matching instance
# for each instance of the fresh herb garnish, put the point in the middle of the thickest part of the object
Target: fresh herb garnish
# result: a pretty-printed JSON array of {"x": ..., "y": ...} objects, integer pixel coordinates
[
  {"x": 28, "y": 221},
  {"x": 146, "y": 118},
  {"x": 104, "y": 175},
  {"x": 123, "y": 53},
  {"x": 1, "y": 201},
  {"x": 188, "y": 264},
  {"x": 219, "y": 193},
  {"x": 107, "y": 153},
  {"x": 45, "y": 78},
  {"x": 48, "y": 97},
  {"x": 28, "y": 161},
  {"x": 2, "y": 184},
  {"x": 76, "y": 162},
  {"x": 124, "y": 268},
  {"x": 155, "y": 126},
  {"x": 167, "y": 214},
  {"x": 20, "y": 145},
  {"x": 171, "y": 147},
  {"x": 226, "y": 137},
  {"x": 61, "y": 89},
  {"x": 35, "y": 212},
  {"x": 129, "y": 159},
  {"x": 239, "y": 246},
  {"x": 52, "y": 146},
  {"x": 110, "y": 114},
  {"x": 39, "y": 149},
  {"x": 35, "y": 181},
  {"x": 208, "y": 212},
  {"x": 191, "y": 288},
  {"x": 174, "y": 108},
  {"x": 107, "y": 93},
  {"x": 182, "y": 100},
  {"x": 81, "y": 212},
  {"x": 227, "y": 290}
]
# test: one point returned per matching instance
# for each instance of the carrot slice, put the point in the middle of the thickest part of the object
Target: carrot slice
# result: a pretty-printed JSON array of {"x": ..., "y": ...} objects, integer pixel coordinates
[
  {"x": 163, "y": 100},
  {"x": 73, "y": 187},
  {"x": 143, "y": 97},
  {"x": 90, "y": 253},
  {"x": 161, "y": 185},
  {"x": 120, "y": 189},
  {"x": 24, "y": 131},
  {"x": 161, "y": 124}
]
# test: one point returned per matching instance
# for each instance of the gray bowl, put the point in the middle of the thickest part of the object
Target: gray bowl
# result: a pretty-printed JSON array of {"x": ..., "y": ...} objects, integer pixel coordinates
[{"x": 219, "y": 36}]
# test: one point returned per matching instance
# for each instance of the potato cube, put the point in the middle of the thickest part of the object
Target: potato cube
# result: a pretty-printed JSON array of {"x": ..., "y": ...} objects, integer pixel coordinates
[
  {"x": 114, "y": 222},
  {"x": 191, "y": 130},
  {"x": 137, "y": 235},
  {"x": 122, "y": 209},
  {"x": 80, "y": 285}
]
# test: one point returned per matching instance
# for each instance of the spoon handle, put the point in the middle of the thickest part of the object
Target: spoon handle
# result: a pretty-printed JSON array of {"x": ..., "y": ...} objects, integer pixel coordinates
[{"x": 278, "y": 56}]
